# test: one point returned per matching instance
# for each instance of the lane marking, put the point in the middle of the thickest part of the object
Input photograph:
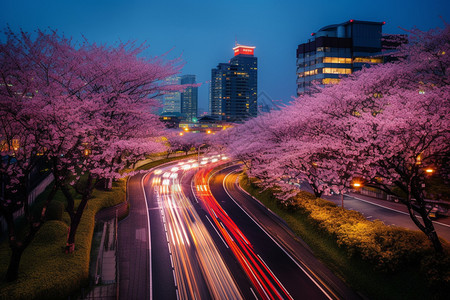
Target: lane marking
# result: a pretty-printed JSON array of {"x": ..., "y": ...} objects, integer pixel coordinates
[
  {"x": 149, "y": 237},
  {"x": 171, "y": 261},
  {"x": 216, "y": 231},
  {"x": 304, "y": 271},
  {"x": 276, "y": 278}
]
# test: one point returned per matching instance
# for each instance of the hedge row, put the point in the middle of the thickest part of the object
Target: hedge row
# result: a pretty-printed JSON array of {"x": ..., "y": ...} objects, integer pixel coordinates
[
  {"x": 387, "y": 248},
  {"x": 46, "y": 272}
]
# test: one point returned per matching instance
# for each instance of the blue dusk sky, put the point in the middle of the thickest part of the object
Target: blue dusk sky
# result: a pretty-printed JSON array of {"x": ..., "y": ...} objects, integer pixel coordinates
[{"x": 203, "y": 32}]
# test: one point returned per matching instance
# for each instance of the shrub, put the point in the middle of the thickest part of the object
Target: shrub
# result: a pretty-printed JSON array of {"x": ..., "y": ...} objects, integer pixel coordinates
[
  {"x": 46, "y": 272},
  {"x": 387, "y": 248},
  {"x": 436, "y": 268}
]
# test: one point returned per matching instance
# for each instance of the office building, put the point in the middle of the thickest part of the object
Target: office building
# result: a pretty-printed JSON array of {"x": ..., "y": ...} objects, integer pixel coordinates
[
  {"x": 337, "y": 50},
  {"x": 189, "y": 99},
  {"x": 234, "y": 86},
  {"x": 172, "y": 101}
]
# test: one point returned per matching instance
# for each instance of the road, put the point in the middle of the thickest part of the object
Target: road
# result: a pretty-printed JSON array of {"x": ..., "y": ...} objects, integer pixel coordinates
[
  {"x": 290, "y": 260},
  {"x": 187, "y": 240},
  {"x": 186, "y": 263}
]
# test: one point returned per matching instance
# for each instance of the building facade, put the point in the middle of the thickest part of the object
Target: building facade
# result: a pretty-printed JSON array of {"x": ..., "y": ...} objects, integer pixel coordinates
[
  {"x": 189, "y": 99},
  {"x": 234, "y": 86},
  {"x": 172, "y": 101},
  {"x": 337, "y": 50}
]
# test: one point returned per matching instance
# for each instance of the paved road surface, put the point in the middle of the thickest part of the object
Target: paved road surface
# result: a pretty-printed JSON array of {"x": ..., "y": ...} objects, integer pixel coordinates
[
  {"x": 308, "y": 284},
  {"x": 146, "y": 274}
]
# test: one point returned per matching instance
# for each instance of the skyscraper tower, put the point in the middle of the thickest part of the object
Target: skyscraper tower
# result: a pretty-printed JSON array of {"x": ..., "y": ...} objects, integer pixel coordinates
[
  {"x": 234, "y": 86},
  {"x": 189, "y": 99},
  {"x": 172, "y": 101}
]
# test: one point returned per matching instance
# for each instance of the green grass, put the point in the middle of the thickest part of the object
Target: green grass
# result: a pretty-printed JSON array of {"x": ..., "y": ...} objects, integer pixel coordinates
[{"x": 359, "y": 275}]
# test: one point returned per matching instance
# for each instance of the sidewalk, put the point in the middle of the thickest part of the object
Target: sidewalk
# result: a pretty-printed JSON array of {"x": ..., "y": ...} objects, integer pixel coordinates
[
  {"x": 133, "y": 248},
  {"x": 106, "y": 273}
]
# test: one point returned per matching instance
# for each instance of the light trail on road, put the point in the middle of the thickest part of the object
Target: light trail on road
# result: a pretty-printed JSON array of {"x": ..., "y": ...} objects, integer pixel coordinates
[
  {"x": 262, "y": 278},
  {"x": 194, "y": 256}
]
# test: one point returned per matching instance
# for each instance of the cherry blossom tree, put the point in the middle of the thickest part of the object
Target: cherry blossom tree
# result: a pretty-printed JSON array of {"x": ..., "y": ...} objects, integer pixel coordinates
[
  {"x": 117, "y": 101},
  {"x": 383, "y": 125},
  {"x": 27, "y": 110},
  {"x": 184, "y": 141},
  {"x": 87, "y": 109},
  {"x": 395, "y": 122}
]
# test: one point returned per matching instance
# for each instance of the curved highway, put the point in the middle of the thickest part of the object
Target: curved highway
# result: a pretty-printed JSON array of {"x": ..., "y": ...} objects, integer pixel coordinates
[
  {"x": 205, "y": 245},
  {"x": 181, "y": 243}
]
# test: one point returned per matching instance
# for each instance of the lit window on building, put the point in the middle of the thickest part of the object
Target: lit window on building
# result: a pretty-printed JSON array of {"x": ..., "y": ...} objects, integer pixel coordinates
[
  {"x": 337, "y": 71},
  {"x": 372, "y": 60},
  {"x": 337, "y": 60},
  {"x": 331, "y": 80}
]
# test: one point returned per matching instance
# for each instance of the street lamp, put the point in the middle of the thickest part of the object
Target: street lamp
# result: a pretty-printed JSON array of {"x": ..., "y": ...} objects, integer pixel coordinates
[
  {"x": 357, "y": 185},
  {"x": 429, "y": 171}
]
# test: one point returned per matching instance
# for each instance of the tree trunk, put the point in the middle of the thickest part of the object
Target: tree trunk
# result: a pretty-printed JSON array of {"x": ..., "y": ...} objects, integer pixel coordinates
[
  {"x": 13, "y": 268},
  {"x": 427, "y": 226},
  {"x": 75, "y": 218},
  {"x": 17, "y": 248},
  {"x": 74, "y": 222},
  {"x": 107, "y": 183},
  {"x": 430, "y": 231}
]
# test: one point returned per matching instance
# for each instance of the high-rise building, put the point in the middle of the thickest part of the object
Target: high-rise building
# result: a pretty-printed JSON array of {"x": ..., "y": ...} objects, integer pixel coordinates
[
  {"x": 337, "y": 50},
  {"x": 234, "y": 86},
  {"x": 172, "y": 101},
  {"x": 189, "y": 99}
]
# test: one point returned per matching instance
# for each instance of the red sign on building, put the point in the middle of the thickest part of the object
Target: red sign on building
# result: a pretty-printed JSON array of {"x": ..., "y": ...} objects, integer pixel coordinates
[{"x": 240, "y": 49}]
